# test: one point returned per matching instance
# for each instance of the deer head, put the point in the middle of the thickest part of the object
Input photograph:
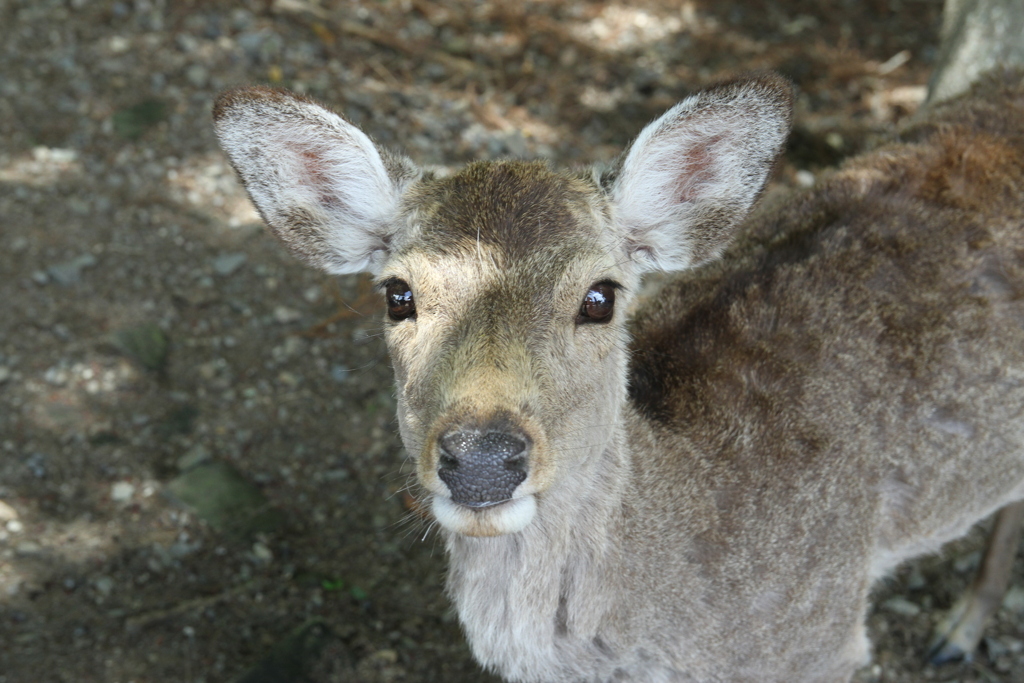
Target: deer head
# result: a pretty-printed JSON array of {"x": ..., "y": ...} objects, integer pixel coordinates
[{"x": 506, "y": 283}]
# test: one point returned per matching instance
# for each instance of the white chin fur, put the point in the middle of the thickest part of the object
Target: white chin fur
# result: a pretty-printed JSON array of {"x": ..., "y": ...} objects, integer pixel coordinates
[{"x": 506, "y": 518}]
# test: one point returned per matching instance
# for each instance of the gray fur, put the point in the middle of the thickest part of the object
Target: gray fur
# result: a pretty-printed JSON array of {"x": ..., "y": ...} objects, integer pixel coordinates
[{"x": 714, "y": 486}]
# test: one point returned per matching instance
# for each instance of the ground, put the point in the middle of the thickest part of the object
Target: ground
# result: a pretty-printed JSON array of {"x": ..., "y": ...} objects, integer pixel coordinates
[{"x": 200, "y": 478}]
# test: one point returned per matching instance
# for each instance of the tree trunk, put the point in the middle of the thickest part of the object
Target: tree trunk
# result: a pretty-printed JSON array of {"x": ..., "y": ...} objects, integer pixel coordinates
[{"x": 977, "y": 36}]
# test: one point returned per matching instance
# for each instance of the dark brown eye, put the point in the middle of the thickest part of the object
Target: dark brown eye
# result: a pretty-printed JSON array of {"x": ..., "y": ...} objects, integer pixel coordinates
[
  {"x": 598, "y": 304},
  {"x": 400, "y": 301}
]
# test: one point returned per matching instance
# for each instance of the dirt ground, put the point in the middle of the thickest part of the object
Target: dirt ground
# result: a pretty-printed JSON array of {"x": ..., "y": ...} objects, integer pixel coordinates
[{"x": 200, "y": 478}]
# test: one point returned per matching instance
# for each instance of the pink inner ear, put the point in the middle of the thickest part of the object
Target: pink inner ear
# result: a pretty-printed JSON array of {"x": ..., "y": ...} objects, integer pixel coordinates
[
  {"x": 312, "y": 167},
  {"x": 696, "y": 167},
  {"x": 314, "y": 174}
]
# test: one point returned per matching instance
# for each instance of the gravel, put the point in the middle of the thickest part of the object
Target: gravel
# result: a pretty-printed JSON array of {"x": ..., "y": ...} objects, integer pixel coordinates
[{"x": 152, "y": 333}]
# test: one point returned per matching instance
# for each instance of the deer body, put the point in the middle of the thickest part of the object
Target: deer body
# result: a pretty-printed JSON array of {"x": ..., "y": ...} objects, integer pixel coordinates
[{"x": 708, "y": 492}]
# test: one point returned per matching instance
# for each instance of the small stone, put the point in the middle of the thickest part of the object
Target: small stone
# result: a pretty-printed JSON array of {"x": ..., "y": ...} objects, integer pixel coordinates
[
  {"x": 186, "y": 42},
  {"x": 250, "y": 42},
  {"x": 197, "y": 75},
  {"x": 336, "y": 475},
  {"x": 262, "y": 552},
  {"x": 291, "y": 348},
  {"x": 57, "y": 376},
  {"x": 916, "y": 580},
  {"x": 119, "y": 44},
  {"x": 70, "y": 272},
  {"x": 14, "y": 526},
  {"x": 1014, "y": 600},
  {"x": 339, "y": 373},
  {"x": 995, "y": 649},
  {"x": 36, "y": 464},
  {"x": 55, "y": 155},
  {"x": 27, "y": 548},
  {"x": 122, "y": 492},
  {"x": 804, "y": 178},
  {"x": 210, "y": 369},
  {"x": 19, "y": 244},
  {"x": 192, "y": 457},
  {"x": 261, "y": 46},
  {"x": 7, "y": 513},
  {"x": 241, "y": 19},
  {"x": 5, "y": 373},
  {"x": 182, "y": 548},
  {"x": 901, "y": 606},
  {"x": 104, "y": 585},
  {"x": 967, "y": 563},
  {"x": 40, "y": 278},
  {"x": 226, "y": 264},
  {"x": 285, "y": 315}
]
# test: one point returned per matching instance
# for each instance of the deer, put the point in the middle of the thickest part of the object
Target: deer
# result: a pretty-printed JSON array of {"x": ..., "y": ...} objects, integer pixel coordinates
[{"x": 704, "y": 483}]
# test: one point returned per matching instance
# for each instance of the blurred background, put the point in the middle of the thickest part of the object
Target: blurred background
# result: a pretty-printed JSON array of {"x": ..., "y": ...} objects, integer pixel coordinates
[{"x": 200, "y": 478}]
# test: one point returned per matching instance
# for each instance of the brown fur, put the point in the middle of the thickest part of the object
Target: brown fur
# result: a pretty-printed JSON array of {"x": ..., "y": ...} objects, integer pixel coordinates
[
  {"x": 514, "y": 207},
  {"x": 713, "y": 487}
]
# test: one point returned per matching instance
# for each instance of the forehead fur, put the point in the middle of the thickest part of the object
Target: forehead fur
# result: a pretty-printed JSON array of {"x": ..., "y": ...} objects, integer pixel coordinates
[{"x": 517, "y": 209}]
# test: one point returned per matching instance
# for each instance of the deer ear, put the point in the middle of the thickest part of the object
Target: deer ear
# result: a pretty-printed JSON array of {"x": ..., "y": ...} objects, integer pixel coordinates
[
  {"x": 319, "y": 182},
  {"x": 692, "y": 175}
]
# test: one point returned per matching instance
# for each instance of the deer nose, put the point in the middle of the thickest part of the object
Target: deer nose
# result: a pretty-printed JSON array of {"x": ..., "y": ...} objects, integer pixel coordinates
[{"x": 482, "y": 468}]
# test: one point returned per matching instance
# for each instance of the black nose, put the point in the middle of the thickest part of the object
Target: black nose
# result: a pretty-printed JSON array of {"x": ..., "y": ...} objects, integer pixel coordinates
[{"x": 482, "y": 468}]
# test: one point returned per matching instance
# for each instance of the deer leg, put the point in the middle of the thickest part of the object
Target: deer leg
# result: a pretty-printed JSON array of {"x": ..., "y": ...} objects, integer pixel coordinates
[{"x": 960, "y": 631}]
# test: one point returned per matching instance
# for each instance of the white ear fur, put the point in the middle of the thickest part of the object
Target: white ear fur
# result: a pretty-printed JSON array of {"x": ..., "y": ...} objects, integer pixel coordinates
[
  {"x": 693, "y": 174},
  {"x": 318, "y": 181}
]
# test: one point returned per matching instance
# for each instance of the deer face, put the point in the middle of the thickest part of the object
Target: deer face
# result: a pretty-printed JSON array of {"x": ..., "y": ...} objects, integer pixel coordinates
[
  {"x": 505, "y": 283},
  {"x": 506, "y": 330}
]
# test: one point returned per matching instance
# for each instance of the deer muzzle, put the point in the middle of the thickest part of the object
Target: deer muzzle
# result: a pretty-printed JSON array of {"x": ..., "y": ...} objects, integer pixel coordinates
[
  {"x": 484, "y": 474},
  {"x": 482, "y": 468}
]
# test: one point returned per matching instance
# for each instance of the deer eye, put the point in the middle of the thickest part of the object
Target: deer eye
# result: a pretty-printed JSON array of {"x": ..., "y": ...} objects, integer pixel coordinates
[
  {"x": 400, "y": 302},
  {"x": 598, "y": 304}
]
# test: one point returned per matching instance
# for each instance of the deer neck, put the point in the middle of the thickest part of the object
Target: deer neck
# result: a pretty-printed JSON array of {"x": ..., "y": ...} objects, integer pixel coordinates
[{"x": 516, "y": 594}]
